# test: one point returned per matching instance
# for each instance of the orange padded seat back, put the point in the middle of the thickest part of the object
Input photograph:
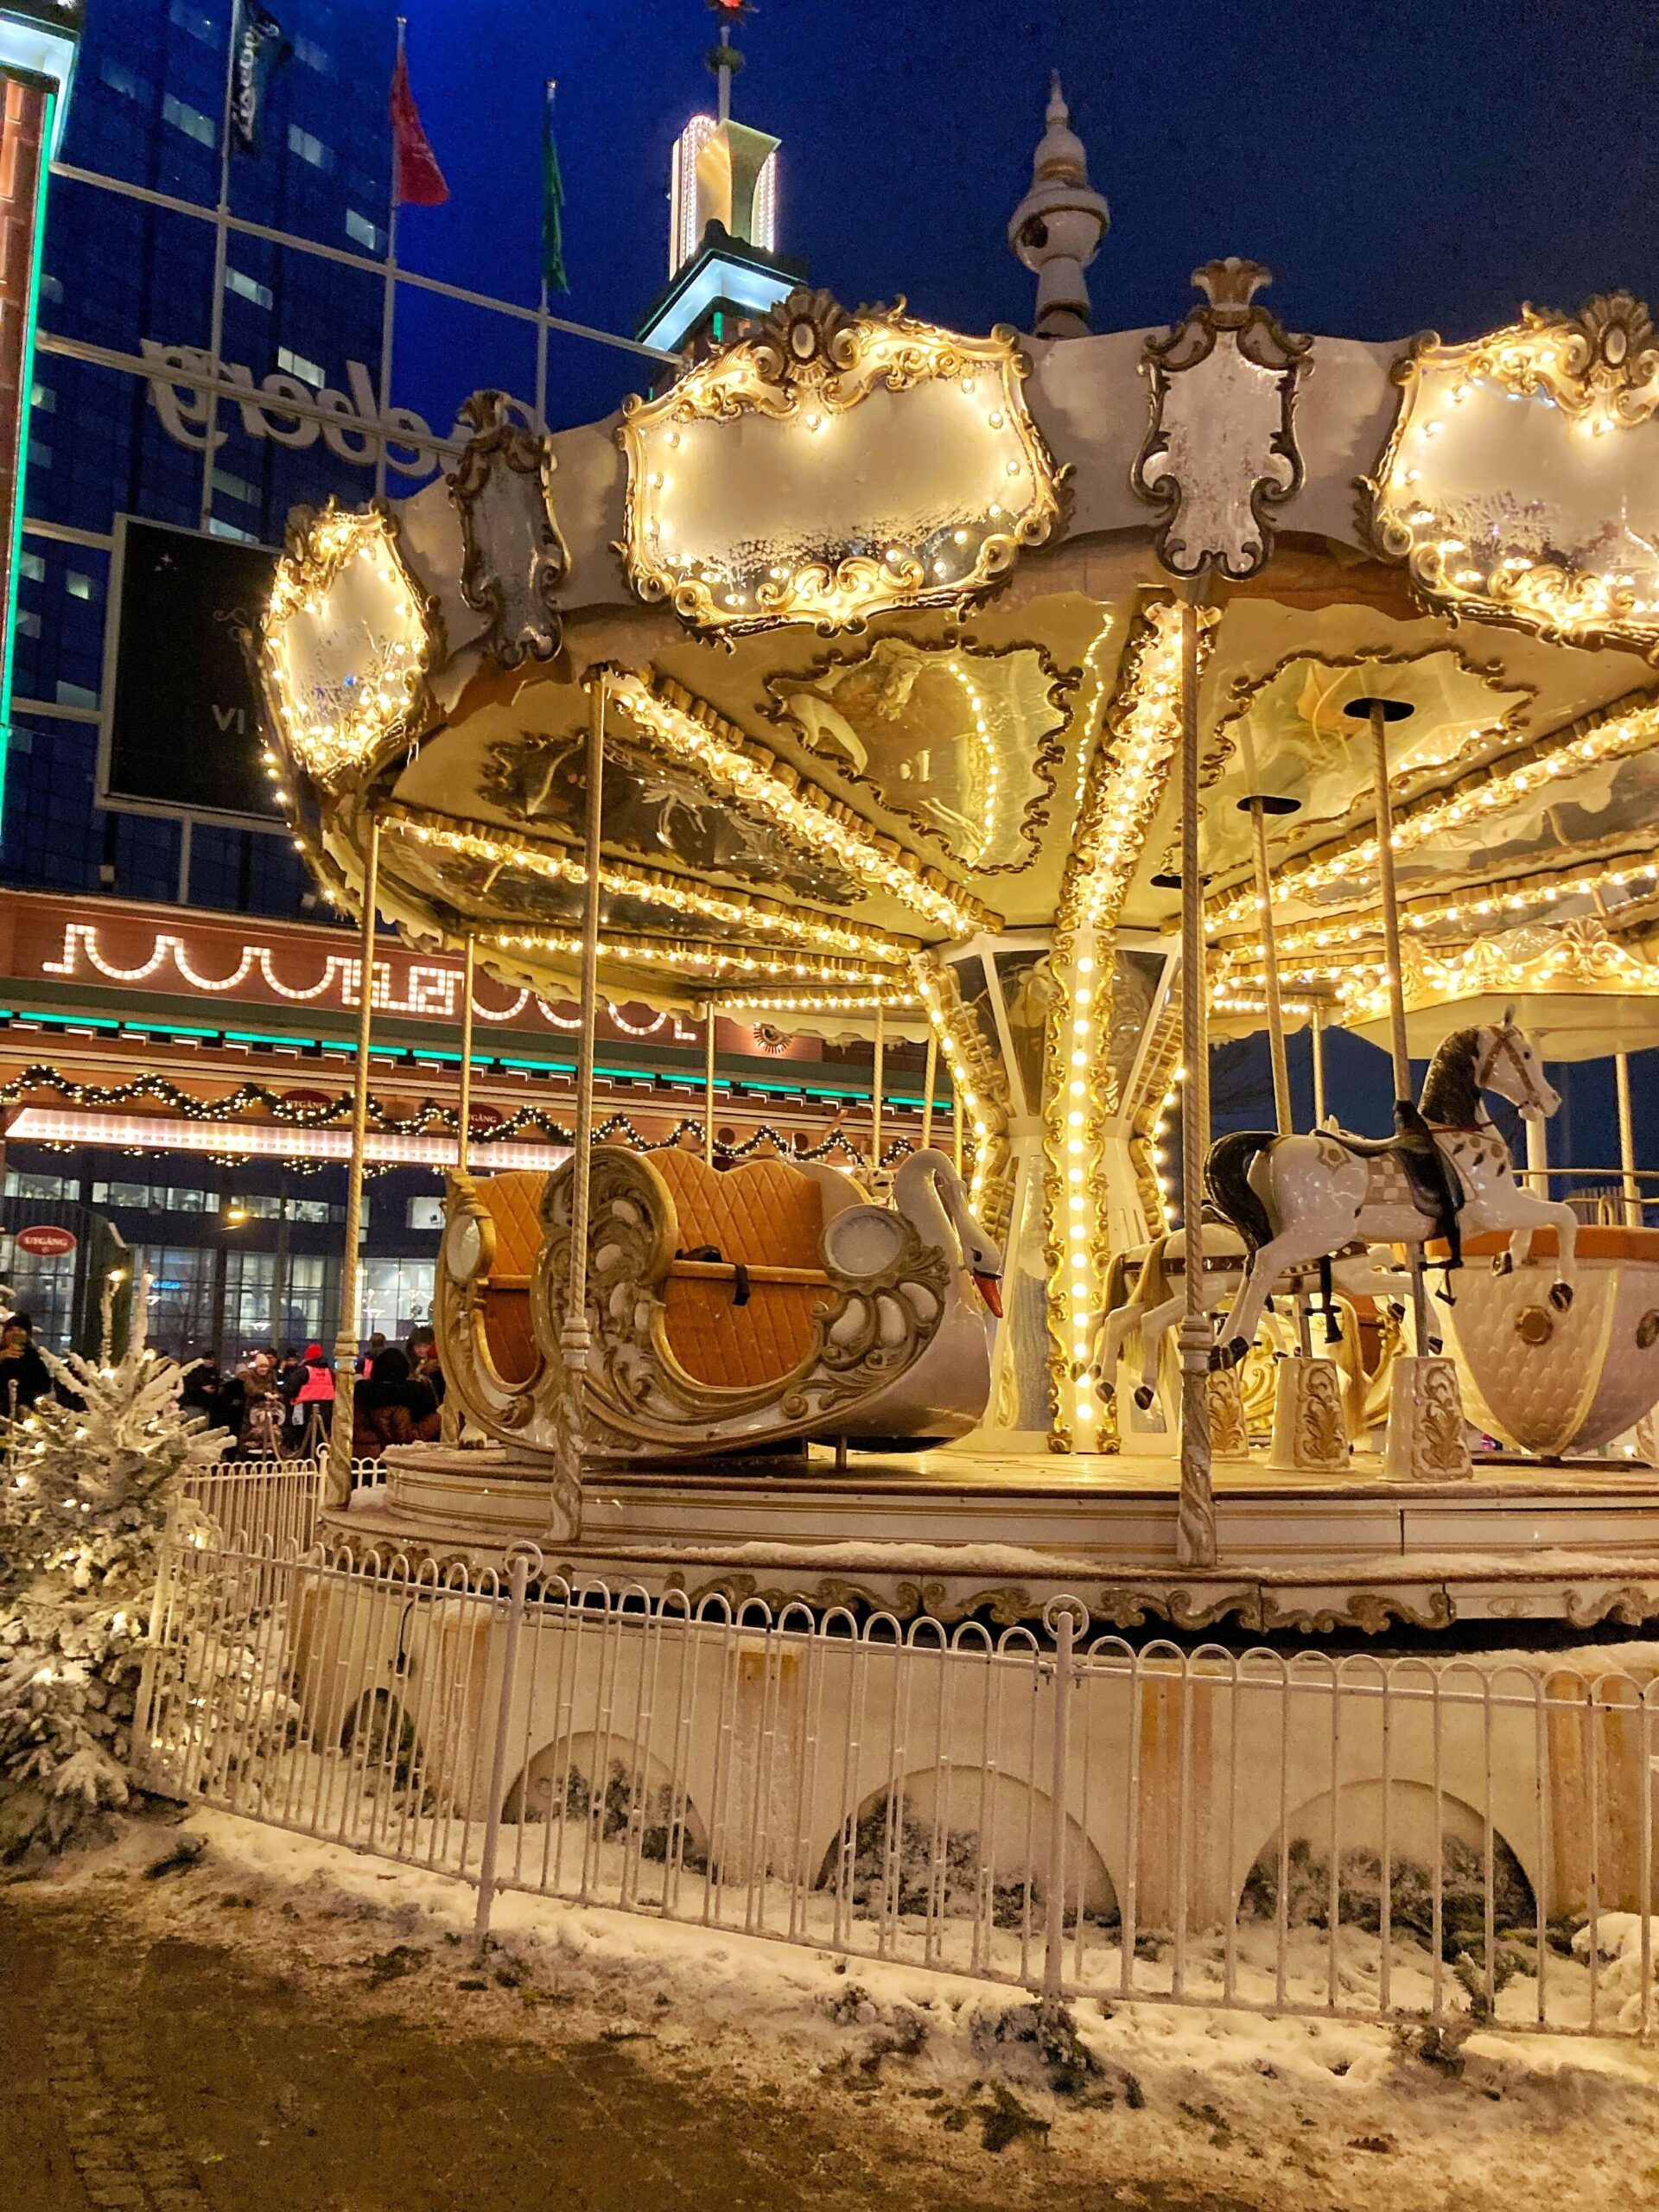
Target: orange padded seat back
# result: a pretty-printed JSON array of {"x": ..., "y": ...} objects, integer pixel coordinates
[
  {"x": 765, "y": 1213},
  {"x": 514, "y": 1203}
]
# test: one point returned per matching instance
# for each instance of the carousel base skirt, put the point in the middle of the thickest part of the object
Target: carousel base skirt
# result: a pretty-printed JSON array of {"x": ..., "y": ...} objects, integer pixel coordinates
[{"x": 998, "y": 1533}]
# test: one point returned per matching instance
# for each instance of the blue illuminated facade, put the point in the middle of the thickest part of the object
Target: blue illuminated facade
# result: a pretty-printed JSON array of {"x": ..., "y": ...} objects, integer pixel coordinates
[{"x": 147, "y": 109}]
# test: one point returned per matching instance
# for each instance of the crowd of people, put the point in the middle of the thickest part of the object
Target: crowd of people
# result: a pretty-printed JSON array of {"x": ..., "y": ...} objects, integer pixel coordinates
[{"x": 282, "y": 1404}]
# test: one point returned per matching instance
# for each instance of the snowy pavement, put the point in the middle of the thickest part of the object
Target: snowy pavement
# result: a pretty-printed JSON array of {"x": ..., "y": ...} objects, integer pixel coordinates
[{"x": 734, "y": 2071}]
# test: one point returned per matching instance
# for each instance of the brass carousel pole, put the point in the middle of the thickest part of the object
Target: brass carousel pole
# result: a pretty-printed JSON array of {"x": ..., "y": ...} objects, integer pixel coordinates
[
  {"x": 1195, "y": 1529},
  {"x": 930, "y": 1078},
  {"x": 1627, "y": 1142},
  {"x": 1426, "y": 1439},
  {"x": 878, "y": 1079},
  {"x": 1308, "y": 1437},
  {"x": 338, "y": 1491},
  {"x": 449, "y": 1417},
  {"x": 575, "y": 1339},
  {"x": 1316, "y": 1047},
  {"x": 709, "y": 1079}
]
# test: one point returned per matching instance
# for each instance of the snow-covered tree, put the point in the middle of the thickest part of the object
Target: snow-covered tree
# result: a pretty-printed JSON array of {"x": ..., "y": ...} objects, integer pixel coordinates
[{"x": 89, "y": 1477}]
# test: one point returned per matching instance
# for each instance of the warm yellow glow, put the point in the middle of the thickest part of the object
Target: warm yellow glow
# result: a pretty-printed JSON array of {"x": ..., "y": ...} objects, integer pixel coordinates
[
  {"x": 728, "y": 764},
  {"x": 344, "y": 643},
  {"x": 693, "y": 536}
]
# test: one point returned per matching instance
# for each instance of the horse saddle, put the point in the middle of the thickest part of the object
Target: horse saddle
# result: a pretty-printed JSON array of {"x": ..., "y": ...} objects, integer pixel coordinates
[{"x": 1435, "y": 1189}]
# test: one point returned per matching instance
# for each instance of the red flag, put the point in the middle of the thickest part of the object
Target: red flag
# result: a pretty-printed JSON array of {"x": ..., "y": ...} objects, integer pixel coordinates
[{"x": 417, "y": 180}]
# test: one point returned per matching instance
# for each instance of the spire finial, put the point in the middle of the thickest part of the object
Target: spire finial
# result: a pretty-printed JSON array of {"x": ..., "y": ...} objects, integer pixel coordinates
[{"x": 1057, "y": 228}]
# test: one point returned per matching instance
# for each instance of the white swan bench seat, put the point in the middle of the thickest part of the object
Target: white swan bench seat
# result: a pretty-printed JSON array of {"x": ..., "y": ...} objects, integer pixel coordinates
[{"x": 728, "y": 1307}]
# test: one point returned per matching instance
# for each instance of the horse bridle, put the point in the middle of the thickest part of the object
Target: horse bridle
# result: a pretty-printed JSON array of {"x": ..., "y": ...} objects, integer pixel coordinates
[{"x": 1503, "y": 1041}]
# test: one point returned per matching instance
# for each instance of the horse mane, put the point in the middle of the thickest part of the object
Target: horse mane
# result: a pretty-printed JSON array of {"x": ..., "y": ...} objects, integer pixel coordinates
[{"x": 1451, "y": 1094}]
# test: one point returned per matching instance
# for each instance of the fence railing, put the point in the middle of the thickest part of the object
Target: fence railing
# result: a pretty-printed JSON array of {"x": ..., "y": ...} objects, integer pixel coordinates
[
  {"x": 1434, "y": 1839},
  {"x": 255, "y": 1504}
]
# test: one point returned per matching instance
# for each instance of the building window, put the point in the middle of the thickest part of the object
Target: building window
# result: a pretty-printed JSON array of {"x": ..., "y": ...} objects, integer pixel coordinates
[
  {"x": 396, "y": 1298},
  {"x": 426, "y": 1213},
  {"x": 297, "y": 366},
  {"x": 362, "y": 231},
  {"x": 309, "y": 148},
  {"x": 75, "y": 695},
  {"x": 122, "y": 81},
  {"x": 313, "y": 56},
  {"x": 33, "y": 567},
  {"x": 246, "y": 288},
  {"x": 191, "y": 120},
  {"x": 51, "y": 289},
  {"x": 43, "y": 396},
  {"x": 155, "y": 1198},
  {"x": 79, "y": 586},
  {"x": 39, "y": 456},
  {"x": 193, "y": 20},
  {"x": 28, "y": 626},
  {"x": 235, "y": 487},
  {"x": 218, "y": 527},
  {"x": 181, "y": 1295},
  {"x": 20, "y": 1183}
]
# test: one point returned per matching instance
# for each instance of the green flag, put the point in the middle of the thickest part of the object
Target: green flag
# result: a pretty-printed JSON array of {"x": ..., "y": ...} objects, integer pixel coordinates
[{"x": 553, "y": 272}]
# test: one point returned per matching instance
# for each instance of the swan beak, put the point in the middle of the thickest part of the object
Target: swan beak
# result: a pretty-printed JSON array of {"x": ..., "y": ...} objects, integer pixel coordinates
[{"x": 991, "y": 1289}]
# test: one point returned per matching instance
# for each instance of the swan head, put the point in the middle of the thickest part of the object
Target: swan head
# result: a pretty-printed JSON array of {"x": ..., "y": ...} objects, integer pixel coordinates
[{"x": 982, "y": 1255}]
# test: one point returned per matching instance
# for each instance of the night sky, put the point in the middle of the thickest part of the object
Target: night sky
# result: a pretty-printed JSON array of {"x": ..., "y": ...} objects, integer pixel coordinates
[{"x": 1426, "y": 165}]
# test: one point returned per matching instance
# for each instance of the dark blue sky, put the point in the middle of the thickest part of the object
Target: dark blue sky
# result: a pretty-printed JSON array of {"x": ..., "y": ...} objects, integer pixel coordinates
[{"x": 1429, "y": 163}]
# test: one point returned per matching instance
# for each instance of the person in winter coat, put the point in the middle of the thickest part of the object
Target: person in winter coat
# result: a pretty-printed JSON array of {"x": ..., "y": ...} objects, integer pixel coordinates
[
  {"x": 314, "y": 1398},
  {"x": 24, "y": 1376},
  {"x": 391, "y": 1407}
]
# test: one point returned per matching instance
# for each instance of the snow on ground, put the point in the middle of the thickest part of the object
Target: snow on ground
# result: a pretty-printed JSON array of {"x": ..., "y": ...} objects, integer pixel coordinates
[{"x": 1153, "y": 2101}]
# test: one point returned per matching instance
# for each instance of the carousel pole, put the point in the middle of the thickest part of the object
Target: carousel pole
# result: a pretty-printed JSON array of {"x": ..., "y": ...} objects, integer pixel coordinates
[
  {"x": 1195, "y": 1526},
  {"x": 1627, "y": 1142},
  {"x": 709, "y": 1007},
  {"x": 1308, "y": 1437},
  {"x": 575, "y": 1339},
  {"x": 930, "y": 1077},
  {"x": 956, "y": 1127},
  {"x": 338, "y": 1488},
  {"x": 449, "y": 1416},
  {"x": 1426, "y": 1424},
  {"x": 878, "y": 1079},
  {"x": 1316, "y": 1047}
]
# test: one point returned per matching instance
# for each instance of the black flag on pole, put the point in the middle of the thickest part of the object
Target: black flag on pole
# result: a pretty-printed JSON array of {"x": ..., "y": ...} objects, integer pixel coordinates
[{"x": 259, "y": 48}]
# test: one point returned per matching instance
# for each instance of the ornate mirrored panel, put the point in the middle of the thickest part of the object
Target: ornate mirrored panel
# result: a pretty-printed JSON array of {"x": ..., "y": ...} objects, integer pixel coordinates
[
  {"x": 831, "y": 466},
  {"x": 1522, "y": 481},
  {"x": 961, "y": 743}
]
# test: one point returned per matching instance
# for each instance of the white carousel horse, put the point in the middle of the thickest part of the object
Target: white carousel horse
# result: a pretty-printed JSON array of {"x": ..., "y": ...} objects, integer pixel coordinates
[
  {"x": 1297, "y": 1198},
  {"x": 1154, "y": 1305}
]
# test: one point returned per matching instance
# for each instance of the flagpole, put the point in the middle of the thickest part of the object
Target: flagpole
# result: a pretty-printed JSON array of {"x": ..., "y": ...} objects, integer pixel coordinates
[
  {"x": 541, "y": 319},
  {"x": 221, "y": 233},
  {"x": 389, "y": 304}
]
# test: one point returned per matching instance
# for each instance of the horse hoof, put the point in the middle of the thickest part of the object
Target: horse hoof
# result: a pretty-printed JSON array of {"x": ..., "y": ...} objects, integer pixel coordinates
[
  {"x": 1143, "y": 1397},
  {"x": 1503, "y": 1264},
  {"x": 1560, "y": 1296}
]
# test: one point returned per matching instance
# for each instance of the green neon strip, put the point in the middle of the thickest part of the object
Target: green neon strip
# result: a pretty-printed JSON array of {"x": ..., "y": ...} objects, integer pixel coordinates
[{"x": 20, "y": 480}]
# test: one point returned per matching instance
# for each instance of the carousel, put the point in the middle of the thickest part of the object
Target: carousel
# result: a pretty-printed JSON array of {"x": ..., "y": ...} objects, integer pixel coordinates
[{"x": 1063, "y": 703}]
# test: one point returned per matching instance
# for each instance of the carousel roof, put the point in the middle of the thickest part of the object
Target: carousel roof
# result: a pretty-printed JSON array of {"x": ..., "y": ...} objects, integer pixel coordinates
[{"x": 889, "y": 621}]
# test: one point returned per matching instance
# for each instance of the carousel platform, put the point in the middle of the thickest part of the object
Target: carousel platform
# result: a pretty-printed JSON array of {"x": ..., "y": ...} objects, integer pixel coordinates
[{"x": 995, "y": 1533}]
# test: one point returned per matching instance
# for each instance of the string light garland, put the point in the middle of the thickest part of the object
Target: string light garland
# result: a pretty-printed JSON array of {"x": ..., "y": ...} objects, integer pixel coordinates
[
  {"x": 1128, "y": 779},
  {"x": 694, "y": 735},
  {"x": 800, "y": 377},
  {"x": 346, "y": 640},
  {"x": 689, "y": 956},
  {"x": 1628, "y": 726},
  {"x": 650, "y": 888}
]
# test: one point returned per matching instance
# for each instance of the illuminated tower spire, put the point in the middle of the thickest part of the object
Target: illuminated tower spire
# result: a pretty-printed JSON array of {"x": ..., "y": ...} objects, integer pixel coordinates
[{"x": 1057, "y": 228}]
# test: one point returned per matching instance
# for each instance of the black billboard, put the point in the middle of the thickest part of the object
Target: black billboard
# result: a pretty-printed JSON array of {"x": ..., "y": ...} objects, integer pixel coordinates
[{"x": 180, "y": 732}]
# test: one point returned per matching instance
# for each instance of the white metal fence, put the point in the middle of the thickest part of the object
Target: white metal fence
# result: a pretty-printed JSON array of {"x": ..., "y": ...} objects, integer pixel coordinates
[
  {"x": 1412, "y": 1839},
  {"x": 268, "y": 1505}
]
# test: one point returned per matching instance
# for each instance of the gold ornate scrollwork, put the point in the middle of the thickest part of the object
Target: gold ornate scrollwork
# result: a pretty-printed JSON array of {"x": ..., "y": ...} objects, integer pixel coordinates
[
  {"x": 635, "y": 1396},
  {"x": 514, "y": 558}
]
